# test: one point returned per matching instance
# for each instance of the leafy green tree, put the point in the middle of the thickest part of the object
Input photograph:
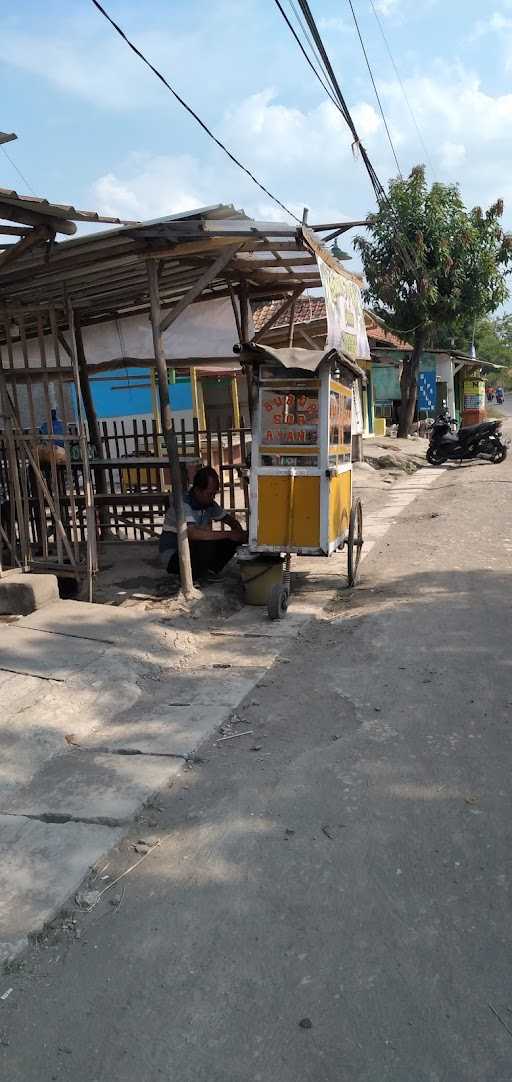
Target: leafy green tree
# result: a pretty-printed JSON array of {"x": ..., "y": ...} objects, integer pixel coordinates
[
  {"x": 493, "y": 339},
  {"x": 431, "y": 263}
]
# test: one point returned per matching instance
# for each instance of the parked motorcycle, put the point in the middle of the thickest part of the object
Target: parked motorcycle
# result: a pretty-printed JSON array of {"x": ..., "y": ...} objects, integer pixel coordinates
[{"x": 483, "y": 440}]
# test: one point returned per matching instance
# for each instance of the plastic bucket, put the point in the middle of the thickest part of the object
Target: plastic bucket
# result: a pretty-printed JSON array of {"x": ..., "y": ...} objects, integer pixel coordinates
[{"x": 259, "y": 574}]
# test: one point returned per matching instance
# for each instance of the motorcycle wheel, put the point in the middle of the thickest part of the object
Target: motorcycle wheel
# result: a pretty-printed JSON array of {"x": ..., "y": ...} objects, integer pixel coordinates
[
  {"x": 499, "y": 454},
  {"x": 435, "y": 456}
]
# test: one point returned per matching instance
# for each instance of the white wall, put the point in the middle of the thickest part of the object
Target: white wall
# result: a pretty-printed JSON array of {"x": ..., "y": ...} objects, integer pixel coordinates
[{"x": 204, "y": 329}]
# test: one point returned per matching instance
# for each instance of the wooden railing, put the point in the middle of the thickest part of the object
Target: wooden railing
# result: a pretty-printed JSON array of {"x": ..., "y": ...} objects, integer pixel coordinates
[{"x": 136, "y": 493}]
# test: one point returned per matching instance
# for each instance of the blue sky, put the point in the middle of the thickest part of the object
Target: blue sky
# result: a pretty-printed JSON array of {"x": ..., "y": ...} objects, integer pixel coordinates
[{"x": 97, "y": 129}]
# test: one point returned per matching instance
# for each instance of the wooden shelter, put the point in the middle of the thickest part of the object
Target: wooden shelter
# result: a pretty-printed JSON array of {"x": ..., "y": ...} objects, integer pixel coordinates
[{"x": 52, "y": 291}]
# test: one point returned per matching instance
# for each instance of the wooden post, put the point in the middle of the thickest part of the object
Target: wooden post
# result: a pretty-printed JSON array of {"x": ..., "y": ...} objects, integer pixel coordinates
[
  {"x": 235, "y": 403},
  {"x": 100, "y": 479},
  {"x": 244, "y": 325},
  {"x": 90, "y": 516},
  {"x": 195, "y": 398},
  {"x": 171, "y": 441},
  {"x": 90, "y": 412}
]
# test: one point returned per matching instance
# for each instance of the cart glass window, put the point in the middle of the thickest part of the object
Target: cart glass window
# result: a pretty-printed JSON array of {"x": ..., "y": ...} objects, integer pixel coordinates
[
  {"x": 340, "y": 427},
  {"x": 289, "y": 426}
]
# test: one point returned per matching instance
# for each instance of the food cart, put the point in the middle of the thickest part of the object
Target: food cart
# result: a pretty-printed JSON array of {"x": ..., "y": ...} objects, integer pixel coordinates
[{"x": 301, "y": 462}]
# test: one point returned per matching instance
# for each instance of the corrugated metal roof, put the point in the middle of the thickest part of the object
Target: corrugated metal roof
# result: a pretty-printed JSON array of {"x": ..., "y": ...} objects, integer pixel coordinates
[
  {"x": 105, "y": 274},
  {"x": 64, "y": 211}
]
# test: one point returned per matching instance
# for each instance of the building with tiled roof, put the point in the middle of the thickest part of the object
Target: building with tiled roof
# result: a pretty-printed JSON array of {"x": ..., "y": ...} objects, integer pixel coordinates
[{"x": 310, "y": 322}]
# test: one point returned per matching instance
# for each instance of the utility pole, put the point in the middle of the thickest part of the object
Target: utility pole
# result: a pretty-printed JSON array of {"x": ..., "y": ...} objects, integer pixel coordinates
[{"x": 171, "y": 441}]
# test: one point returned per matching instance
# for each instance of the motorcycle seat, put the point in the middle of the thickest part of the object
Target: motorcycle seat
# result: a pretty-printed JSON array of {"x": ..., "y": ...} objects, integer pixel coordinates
[{"x": 470, "y": 430}]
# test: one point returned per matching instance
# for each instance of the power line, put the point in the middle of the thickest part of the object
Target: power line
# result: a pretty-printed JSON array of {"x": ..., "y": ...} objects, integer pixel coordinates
[
  {"x": 20, "y": 174},
  {"x": 376, "y": 183},
  {"x": 307, "y": 37},
  {"x": 192, "y": 113},
  {"x": 304, "y": 53},
  {"x": 365, "y": 54},
  {"x": 402, "y": 87},
  {"x": 402, "y": 243}
]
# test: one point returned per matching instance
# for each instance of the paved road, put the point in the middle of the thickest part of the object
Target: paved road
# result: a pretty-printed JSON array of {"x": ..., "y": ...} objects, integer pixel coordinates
[{"x": 352, "y": 872}]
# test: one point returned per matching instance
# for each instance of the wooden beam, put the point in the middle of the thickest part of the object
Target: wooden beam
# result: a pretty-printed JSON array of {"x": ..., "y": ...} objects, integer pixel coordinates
[
  {"x": 171, "y": 441},
  {"x": 12, "y": 231},
  {"x": 39, "y": 235},
  {"x": 302, "y": 259},
  {"x": 306, "y": 337},
  {"x": 208, "y": 246},
  {"x": 31, "y": 217},
  {"x": 341, "y": 226},
  {"x": 244, "y": 313},
  {"x": 291, "y": 324},
  {"x": 208, "y": 275},
  {"x": 318, "y": 248},
  {"x": 275, "y": 315},
  {"x": 113, "y": 364},
  {"x": 67, "y": 349},
  {"x": 236, "y": 311}
]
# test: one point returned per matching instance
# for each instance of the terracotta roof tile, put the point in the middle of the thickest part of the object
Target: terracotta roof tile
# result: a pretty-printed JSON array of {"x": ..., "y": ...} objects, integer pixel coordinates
[{"x": 308, "y": 309}]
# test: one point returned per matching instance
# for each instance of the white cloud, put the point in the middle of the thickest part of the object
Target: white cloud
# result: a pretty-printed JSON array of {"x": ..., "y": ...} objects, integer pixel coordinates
[
  {"x": 334, "y": 22},
  {"x": 90, "y": 61},
  {"x": 496, "y": 23},
  {"x": 261, "y": 129},
  {"x": 304, "y": 155},
  {"x": 452, "y": 155},
  {"x": 366, "y": 119},
  {"x": 387, "y": 7},
  {"x": 299, "y": 155},
  {"x": 151, "y": 187}
]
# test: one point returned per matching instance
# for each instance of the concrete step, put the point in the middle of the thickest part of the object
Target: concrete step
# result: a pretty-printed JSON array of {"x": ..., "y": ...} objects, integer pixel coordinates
[{"x": 22, "y": 593}]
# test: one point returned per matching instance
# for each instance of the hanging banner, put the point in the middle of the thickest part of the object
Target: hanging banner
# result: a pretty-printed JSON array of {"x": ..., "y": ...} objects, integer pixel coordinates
[
  {"x": 357, "y": 410},
  {"x": 346, "y": 328}
]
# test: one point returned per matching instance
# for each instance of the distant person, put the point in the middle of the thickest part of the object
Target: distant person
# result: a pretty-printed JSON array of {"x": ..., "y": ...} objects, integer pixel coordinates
[
  {"x": 500, "y": 396},
  {"x": 56, "y": 428},
  {"x": 210, "y": 550}
]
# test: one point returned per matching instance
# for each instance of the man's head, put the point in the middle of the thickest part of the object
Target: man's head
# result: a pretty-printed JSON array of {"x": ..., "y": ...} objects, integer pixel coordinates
[{"x": 205, "y": 486}]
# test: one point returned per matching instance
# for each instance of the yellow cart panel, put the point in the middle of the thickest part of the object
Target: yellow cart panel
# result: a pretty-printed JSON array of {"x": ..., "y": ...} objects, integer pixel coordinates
[
  {"x": 340, "y": 503},
  {"x": 274, "y": 506}
]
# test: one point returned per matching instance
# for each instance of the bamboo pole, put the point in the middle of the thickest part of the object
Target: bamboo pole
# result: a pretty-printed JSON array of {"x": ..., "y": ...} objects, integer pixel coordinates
[
  {"x": 92, "y": 554},
  {"x": 100, "y": 479},
  {"x": 169, "y": 433}
]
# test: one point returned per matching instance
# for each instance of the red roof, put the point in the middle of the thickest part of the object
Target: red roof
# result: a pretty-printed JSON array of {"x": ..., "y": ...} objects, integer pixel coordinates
[
  {"x": 306, "y": 310},
  {"x": 382, "y": 336},
  {"x": 310, "y": 309}
]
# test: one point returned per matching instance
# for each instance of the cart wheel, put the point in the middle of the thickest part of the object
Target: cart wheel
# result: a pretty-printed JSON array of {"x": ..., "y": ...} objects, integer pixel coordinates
[
  {"x": 354, "y": 541},
  {"x": 278, "y": 602}
]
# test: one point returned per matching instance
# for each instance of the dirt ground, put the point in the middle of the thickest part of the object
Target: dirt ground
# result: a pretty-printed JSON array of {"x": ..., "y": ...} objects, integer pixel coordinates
[{"x": 131, "y": 575}]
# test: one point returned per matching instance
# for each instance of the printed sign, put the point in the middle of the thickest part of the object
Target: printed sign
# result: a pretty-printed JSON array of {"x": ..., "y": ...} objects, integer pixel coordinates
[
  {"x": 427, "y": 391},
  {"x": 346, "y": 328},
  {"x": 474, "y": 394},
  {"x": 289, "y": 417}
]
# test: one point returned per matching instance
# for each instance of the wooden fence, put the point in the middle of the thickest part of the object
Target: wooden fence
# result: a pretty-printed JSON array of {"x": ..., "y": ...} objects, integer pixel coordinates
[{"x": 135, "y": 493}]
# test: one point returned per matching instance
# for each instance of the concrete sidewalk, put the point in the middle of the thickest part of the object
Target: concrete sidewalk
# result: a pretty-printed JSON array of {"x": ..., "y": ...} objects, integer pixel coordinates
[{"x": 102, "y": 708}]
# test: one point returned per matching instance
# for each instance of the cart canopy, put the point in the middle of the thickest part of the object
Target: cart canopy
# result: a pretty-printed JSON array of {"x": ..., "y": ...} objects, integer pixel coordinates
[{"x": 309, "y": 360}]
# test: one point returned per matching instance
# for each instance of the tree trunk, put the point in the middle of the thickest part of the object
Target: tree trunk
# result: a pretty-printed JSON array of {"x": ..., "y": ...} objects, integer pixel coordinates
[{"x": 409, "y": 385}]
